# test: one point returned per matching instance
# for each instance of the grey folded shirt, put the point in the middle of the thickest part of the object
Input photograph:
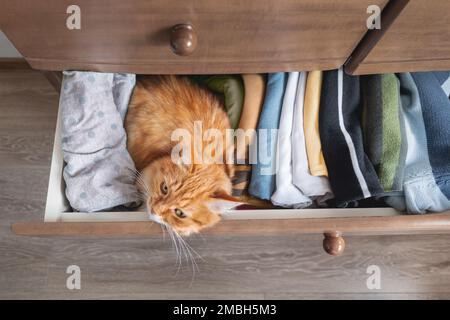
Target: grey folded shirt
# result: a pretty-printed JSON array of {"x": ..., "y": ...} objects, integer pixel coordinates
[{"x": 99, "y": 171}]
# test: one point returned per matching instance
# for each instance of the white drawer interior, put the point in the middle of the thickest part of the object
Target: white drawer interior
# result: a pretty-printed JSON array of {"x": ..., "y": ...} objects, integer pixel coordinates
[{"x": 58, "y": 208}]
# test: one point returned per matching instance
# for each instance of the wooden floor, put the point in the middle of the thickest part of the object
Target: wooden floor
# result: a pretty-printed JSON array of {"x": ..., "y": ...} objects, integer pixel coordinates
[{"x": 292, "y": 267}]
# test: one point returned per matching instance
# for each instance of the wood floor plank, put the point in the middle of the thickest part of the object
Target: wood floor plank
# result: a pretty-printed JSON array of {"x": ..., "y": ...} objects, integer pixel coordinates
[
  {"x": 358, "y": 296},
  {"x": 32, "y": 150},
  {"x": 24, "y": 183},
  {"x": 133, "y": 296},
  {"x": 268, "y": 264},
  {"x": 24, "y": 264},
  {"x": 12, "y": 208}
]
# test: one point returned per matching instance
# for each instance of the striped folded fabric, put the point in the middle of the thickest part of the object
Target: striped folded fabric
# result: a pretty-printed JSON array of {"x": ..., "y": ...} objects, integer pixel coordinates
[
  {"x": 384, "y": 129},
  {"x": 242, "y": 175},
  {"x": 351, "y": 174},
  {"x": 254, "y": 88}
]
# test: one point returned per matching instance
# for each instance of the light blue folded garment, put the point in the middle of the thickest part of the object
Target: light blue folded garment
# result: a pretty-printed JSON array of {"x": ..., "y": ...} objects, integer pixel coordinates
[
  {"x": 426, "y": 108},
  {"x": 99, "y": 171},
  {"x": 262, "y": 183}
]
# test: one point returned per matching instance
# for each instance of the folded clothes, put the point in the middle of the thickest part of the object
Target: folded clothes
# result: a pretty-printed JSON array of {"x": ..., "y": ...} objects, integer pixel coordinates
[
  {"x": 351, "y": 174},
  {"x": 254, "y": 85},
  {"x": 262, "y": 183},
  {"x": 123, "y": 85},
  {"x": 436, "y": 115},
  {"x": 444, "y": 80},
  {"x": 316, "y": 162},
  {"x": 426, "y": 108},
  {"x": 383, "y": 127},
  {"x": 286, "y": 193},
  {"x": 99, "y": 172},
  {"x": 231, "y": 87},
  {"x": 315, "y": 187}
]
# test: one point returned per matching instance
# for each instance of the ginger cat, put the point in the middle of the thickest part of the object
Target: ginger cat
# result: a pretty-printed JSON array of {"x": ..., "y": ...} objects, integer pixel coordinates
[{"x": 185, "y": 197}]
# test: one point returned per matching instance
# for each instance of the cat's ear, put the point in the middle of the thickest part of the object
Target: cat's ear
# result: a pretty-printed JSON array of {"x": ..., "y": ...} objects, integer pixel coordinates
[{"x": 220, "y": 201}]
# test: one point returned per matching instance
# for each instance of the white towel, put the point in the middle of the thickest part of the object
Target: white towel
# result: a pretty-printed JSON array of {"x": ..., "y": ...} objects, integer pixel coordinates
[
  {"x": 315, "y": 187},
  {"x": 286, "y": 193}
]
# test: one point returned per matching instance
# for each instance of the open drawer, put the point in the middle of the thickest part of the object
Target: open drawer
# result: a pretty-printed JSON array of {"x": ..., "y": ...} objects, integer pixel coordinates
[{"x": 60, "y": 220}]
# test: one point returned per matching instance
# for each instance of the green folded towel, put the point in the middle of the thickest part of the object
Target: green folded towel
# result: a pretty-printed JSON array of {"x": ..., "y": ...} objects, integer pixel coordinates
[
  {"x": 383, "y": 125},
  {"x": 231, "y": 87}
]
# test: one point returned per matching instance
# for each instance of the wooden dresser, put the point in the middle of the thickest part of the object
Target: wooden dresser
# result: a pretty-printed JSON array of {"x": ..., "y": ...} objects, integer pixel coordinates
[{"x": 235, "y": 36}]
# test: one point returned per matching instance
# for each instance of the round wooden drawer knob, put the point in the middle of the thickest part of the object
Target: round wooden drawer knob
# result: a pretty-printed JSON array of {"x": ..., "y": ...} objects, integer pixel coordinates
[
  {"x": 183, "y": 39},
  {"x": 333, "y": 243}
]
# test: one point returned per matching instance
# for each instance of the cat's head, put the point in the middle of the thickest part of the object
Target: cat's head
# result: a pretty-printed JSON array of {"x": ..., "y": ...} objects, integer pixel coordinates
[{"x": 186, "y": 198}]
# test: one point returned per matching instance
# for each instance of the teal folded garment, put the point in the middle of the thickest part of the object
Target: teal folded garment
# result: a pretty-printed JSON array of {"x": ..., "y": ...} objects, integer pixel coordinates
[
  {"x": 262, "y": 183},
  {"x": 426, "y": 108},
  {"x": 231, "y": 87}
]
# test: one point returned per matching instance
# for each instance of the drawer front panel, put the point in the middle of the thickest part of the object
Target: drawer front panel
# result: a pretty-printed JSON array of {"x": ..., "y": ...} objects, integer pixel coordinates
[
  {"x": 233, "y": 36},
  {"x": 418, "y": 40}
]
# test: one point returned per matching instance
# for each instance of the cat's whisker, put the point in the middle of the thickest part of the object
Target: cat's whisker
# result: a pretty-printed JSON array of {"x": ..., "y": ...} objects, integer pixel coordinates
[
  {"x": 141, "y": 183},
  {"x": 134, "y": 174},
  {"x": 140, "y": 195},
  {"x": 163, "y": 227},
  {"x": 132, "y": 171},
  {"x": 185, "y": 249},
  {"x": 175, "y": 245},
  {"x": 177, "y": 250},
  {"x": 137, "y": 176},
  {"x": 190, "y": 259},
  {"x": 177, "y": 264},
  {"x": 183, "y": 245},
  {"x": 190, "y": 250},
  {"x": 171, "y": 237},
  {"x": 194, "y": 264},
  {"x": 144, "y": 185},
  {"x": 189, "y": 246}
]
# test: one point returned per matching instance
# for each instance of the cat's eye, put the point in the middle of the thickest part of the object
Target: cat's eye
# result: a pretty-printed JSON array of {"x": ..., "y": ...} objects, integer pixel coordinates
[
  {"x": 164, "y": 188},
  {"x": 179, "y": 213}
]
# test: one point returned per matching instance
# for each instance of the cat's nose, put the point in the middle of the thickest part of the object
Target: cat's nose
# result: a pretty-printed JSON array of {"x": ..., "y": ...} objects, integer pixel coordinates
[
  {"x": 157, "y": 212},
  {"x": 154, "y": 217}
]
